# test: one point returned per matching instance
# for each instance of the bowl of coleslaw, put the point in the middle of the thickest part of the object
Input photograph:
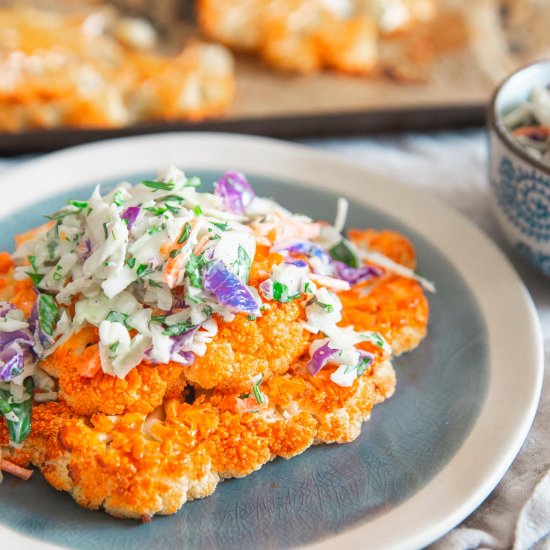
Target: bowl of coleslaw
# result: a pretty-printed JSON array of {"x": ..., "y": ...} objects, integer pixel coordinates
[{"x": 519, "y": 140}]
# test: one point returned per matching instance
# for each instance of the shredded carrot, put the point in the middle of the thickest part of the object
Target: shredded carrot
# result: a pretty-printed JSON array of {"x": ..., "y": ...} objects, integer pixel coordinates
[
  {"x": 14, "y": 470},
  {"x": 537, "y": 132},
  {"x": 6, "y": 263},
  {"x": 201, "y": 245}
]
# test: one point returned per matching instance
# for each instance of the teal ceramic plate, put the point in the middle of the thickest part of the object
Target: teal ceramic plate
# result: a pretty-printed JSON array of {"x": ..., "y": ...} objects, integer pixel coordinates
[{"x": 422, "y": 462}]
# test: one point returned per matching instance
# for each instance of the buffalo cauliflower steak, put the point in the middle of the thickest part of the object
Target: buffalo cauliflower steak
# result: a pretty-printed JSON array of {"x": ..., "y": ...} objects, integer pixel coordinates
[
  {"x": 157, "y": 339},
  {"x": 97, "y": 69},
  {"x": 306, "y": 36}
]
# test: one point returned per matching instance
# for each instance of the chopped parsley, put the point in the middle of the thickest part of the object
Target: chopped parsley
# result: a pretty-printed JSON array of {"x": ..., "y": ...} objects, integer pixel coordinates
[
  {"x": 117, "y": 317},
  {"x": 118, "y": 199},
  {"x": 193, "y": 270},
  {"x": 177, "y": 329},
  {"x": 344, "y": 253},
  {"x": 159, "y": 185},
  {"x": 184, "y": 233}
]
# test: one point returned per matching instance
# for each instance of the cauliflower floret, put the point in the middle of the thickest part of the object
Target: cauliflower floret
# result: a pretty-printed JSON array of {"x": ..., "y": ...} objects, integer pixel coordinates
[
  {"x": 246, "y": 348},
  {"x": 87, "y": 389}
]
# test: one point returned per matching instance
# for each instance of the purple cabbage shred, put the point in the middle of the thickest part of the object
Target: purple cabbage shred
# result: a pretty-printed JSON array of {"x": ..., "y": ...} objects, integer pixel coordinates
[
  {"x": 13, "y": 347},
  {"x": 131, "y": 214},
  {"x": 228, "y": 289},
  {"x": 236, "y": 192},
  {"x": 355, "y": 275},
  {"x": 321, "y": 356}
]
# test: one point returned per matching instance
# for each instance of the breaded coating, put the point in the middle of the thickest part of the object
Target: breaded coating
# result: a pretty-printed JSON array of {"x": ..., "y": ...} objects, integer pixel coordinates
[
  {"x": 393, "y": 305},
  {"x": 246, "y": 348},
  {"x": 142, "y": 390},
  {"x": 135, "y": 466}
]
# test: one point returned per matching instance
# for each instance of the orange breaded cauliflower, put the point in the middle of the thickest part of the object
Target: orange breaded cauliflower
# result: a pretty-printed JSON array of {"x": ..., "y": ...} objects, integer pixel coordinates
[
  {"x": 87, "y": 389},
  {"x": 310, "y": 35},
  {"x": 80, "y": 67},
  {"x": 134, "y": 465},
  {"x": 247, "y": 348}
]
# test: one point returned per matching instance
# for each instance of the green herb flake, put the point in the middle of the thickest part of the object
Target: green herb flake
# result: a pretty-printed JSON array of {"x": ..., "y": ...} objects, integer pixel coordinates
[
  {"x": 221, "y": 226},
  {"x": 141, "y": 269},
  {"x": 280, "y": 292},
  {"x": 175, "y": 252},
  {"x": 193, "y": 270},
  {"x": 117, "y": 317},
  {"x": 157, "y": 210},
  {"x": 177, "y": 329},
  {"x": 48, "y": 313},
  {"x": 257, "y": 393},
  {"x": 20, "y": 429},
  {"x": 78, "y": 204},
  {"x": 32, "y": 260},
  {"x": 173, "y": 209},
  {"x": 197, "y": 210},
  {"x": 173, "y": 198},
  {"x": 114, "y": 347},
  {"x": 106, "y": 230},
  {"x": 342, "y": 252},
  {"x": 52, "y": 247},
  {"x": 158, "y": 185},
  {"x": 185, "y": 233},
  {"x": 131, "y": 263},
  {"x": 36, "y": 278},
  {"x": 159, "y": 319},
  {"x": 118, "y": 198},
  {"x": 242, "y": 265}
]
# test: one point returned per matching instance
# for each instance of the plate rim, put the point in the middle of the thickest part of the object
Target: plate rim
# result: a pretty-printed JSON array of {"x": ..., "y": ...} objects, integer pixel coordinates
[{"x": 473, "y": 255}]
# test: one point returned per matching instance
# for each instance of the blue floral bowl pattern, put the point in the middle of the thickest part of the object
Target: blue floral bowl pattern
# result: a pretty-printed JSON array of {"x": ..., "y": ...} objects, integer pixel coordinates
[
  {"x": 520, "y": 184},
  {"x": 523, "y": 197}
]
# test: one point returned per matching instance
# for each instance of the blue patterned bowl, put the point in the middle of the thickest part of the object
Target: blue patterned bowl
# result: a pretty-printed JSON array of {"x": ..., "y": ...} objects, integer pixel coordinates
[{"x": 520, "y": 183}]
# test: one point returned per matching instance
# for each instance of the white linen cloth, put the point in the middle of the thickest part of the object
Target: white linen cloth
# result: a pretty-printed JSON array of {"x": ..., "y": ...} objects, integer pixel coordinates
[{"x": 453, "y": 165}]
